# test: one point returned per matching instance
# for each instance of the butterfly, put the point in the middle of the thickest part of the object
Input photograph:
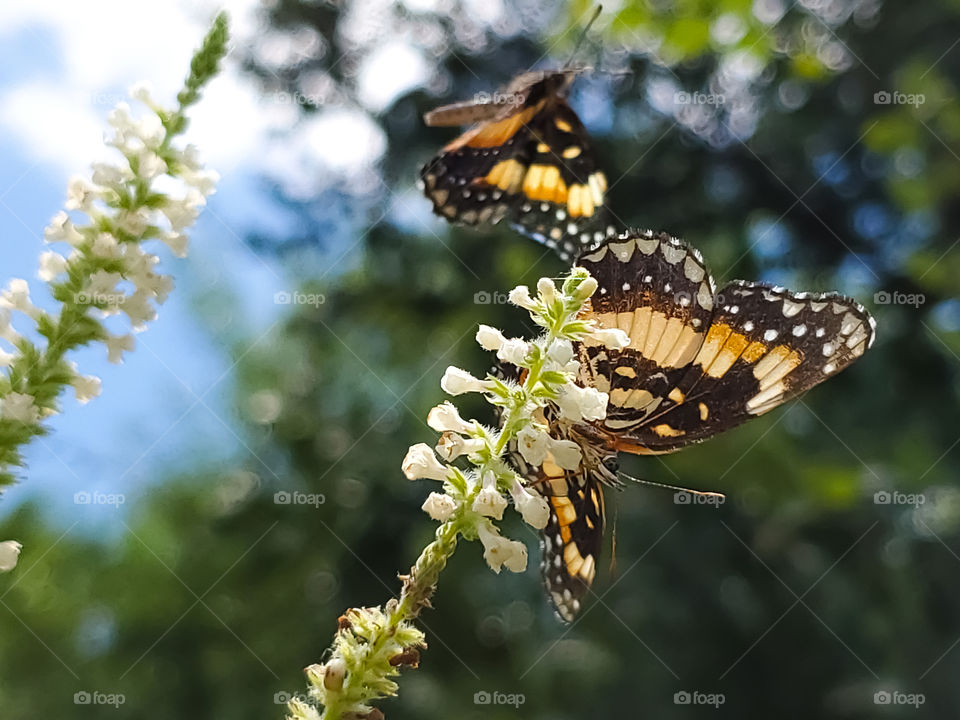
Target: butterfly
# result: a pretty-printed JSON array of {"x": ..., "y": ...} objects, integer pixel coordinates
[
  {"x": 527, "y": 159},
  {"x": 700, "y": 361}
]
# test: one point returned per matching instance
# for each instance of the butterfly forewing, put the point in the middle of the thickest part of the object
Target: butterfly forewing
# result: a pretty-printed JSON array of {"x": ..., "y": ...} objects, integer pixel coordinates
[
  {"x": 656, "y": 289},
  {"x": 751, "y": 346},
  {"x": 765, "y": 346}
]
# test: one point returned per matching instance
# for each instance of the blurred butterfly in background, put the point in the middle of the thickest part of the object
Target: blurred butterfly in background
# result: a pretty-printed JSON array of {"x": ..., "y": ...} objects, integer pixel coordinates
[
  {"x": 700, "y": 361},
  {"x": 527, "y": 159}
]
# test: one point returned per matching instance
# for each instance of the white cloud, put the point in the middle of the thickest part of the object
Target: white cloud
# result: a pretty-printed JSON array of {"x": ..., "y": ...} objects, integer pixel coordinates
[
  {"x": 389, "y": 71},
  {"x": 107, "y": 45}
]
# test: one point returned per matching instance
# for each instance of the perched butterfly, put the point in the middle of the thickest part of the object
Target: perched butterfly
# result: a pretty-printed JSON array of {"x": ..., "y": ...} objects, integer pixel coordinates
[
  {"x": 527, "y": 159},
  {"x": 700, "y": 361}
]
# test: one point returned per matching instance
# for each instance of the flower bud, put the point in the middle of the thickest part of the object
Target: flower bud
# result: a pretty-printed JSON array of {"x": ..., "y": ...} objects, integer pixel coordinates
[
  {"x": 446, "y": 418},
  {"x": 439, "y": 506},
  {"x": 334, "y": 674},
  {"x": 490, "y": 338},
  {"x": 520, "y": 296},
  {"x": 457, "y": 382},
  {"x": 547, "y": 290},
  {"x": 420, "y": 462},
  {"x": 533, "y": 507}
]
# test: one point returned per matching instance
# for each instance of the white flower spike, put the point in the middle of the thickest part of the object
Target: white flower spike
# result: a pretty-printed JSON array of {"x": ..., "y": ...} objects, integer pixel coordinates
[{"x": 126, "y": 204}]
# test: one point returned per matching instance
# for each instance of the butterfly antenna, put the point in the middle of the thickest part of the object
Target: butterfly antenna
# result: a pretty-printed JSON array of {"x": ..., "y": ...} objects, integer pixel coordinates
[
  {"x": 613, "y": 537},
  {"x": 703, "y": 493},
  {"x": 583, "y": 35}
]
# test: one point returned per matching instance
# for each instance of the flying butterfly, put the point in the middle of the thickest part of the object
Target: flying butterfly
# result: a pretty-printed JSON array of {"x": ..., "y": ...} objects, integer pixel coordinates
[
  {"x": 528, "y": 159},
  {"x": 700, "y": 361}
]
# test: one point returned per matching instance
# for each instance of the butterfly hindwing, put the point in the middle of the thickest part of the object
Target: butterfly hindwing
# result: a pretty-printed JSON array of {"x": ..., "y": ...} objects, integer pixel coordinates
[
  {"x": 563, "y": 203},
  {"x": 571, "y": 541}
]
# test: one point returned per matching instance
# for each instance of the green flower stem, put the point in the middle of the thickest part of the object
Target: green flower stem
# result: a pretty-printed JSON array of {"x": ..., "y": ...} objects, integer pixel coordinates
[
  {"x": 204, "y": 65},
  {"x": 418, "y": 588},
  {"x": 420, "y": 584}
]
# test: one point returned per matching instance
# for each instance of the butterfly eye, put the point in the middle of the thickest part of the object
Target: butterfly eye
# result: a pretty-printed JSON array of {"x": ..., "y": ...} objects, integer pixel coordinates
[{"x": 611, "y": 464}]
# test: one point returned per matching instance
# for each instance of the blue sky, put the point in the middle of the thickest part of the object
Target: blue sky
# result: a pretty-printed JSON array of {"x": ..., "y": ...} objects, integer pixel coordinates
[{"x": 170, "y": 404}]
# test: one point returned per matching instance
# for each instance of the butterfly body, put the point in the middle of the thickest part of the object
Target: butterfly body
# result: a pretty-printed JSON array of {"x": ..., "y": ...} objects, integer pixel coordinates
[
  {"x": 700, "y": 360},
  {"x": 528, "y": 159}
]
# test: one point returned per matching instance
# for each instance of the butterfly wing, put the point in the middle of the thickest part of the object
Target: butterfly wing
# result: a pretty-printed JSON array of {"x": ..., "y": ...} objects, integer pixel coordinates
[
  {"x": 528, "y": 160},
  {"x": 657, "y": 290},
  {"x": 765, "y": 346},
  {"x": 570, "y": 543},
  {"x": 563, "y": 203},
  {"x": 762, "y": 346}
]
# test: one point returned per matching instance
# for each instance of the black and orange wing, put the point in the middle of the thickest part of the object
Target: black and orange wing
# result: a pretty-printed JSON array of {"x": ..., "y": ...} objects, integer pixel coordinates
[
  {"x": 762, "y": 346},
  {"x": 563, "y": 199},
  {"x": 766, "y": 345},
  {"x": 657, "y": 290},
  {"x": 529, "y": 160},
  {"x": 571, "y": 542}
]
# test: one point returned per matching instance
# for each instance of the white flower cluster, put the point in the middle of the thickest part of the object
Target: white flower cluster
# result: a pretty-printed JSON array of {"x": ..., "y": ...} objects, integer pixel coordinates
[
  {"x": 549, "y": 370},
  {"x": 106, "y": 267}
]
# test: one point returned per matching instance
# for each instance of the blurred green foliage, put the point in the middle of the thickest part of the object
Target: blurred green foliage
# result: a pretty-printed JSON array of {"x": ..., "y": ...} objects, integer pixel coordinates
[{"x": 800, "y": 596}]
